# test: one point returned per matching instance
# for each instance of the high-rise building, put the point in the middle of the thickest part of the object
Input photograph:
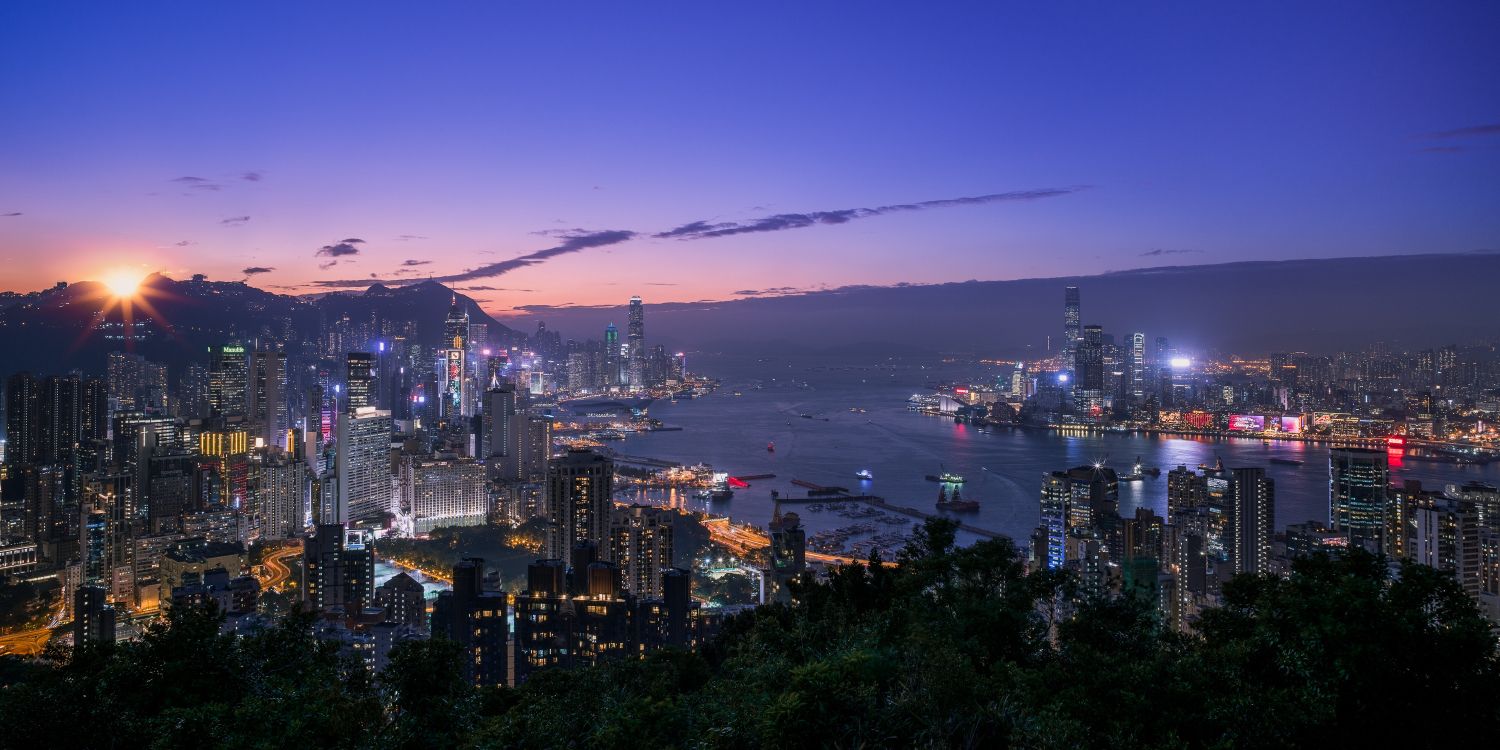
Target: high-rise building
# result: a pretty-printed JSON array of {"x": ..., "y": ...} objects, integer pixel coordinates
[
  {"x": 1252, "y": 519},
  {"x": 640, "y": 544},
  {"x": 228, "y": 379},
  {"x": 445, "y": 492},
  {"x": 276, "y": 500},
  {"x": 1448, "y": 538},
  {"x": 363, "y": 465},
  {"x": 1072, "y": 320},
  {"x": 359, "y": 380},
  {"x": 475, "y": 619},
  {"x": 454, "y": 361},
  {"x": 543, "y": 631},
  {"x": 338, "y": 568},
  {"x": 1185, "y": 489},
  {"x": 1358, "y": 482},
  {"x": 21, "y": 420},
  {"x": 577, "y": 501},
  {"x": 93, "y": 616},
  {"x": 1088, "y": 368},
  {"x": 636, "y": 342},
  {"x": 500, "y": 445},
  {"x": 266, "y": 410},
  {"x": 136, "y": 384},
  {"x": 612, "y": 367},
  {"x": 1136, "y": 365},
  {"x": 788, "y": 552}
]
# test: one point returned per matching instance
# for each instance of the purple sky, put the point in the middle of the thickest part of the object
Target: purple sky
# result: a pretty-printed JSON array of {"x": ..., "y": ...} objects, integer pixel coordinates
[{"x": 584, "y": 153}]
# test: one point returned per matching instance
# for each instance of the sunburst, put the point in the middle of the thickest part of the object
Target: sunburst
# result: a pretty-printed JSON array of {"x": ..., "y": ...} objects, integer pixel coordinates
[{"x": 124, "y": 288}]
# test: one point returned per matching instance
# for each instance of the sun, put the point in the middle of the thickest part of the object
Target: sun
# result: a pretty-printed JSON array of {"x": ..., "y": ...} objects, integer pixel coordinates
[{"x": 124, "y": 282}]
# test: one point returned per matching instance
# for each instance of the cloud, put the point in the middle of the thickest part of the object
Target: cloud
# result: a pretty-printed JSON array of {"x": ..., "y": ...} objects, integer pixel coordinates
[
  {"x": 251, "y": 176},
  {"x": 482, "y": 288},
  {"x": 1159, "y": 251},
  {"x": 252, "y": 270},
  {"x": 415, "y": 262},
  {"x": 340, "y": 249},
  {"x": 328, "y": 265},
  {"x": 572, "y": 242},
  {"x": 12, "y": 213},
  {"x": 182, "y": 243},
  {"x": 1490, "y": 129},
  {"x": 698, "y": 230},
  {"x": 410, "y": 237},
  {"x": 234, "y": 221},
  {"x": 197, "y": 183}
]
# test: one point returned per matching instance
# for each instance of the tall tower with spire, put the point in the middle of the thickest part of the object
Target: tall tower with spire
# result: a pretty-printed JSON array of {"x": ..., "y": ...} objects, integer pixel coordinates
[{"x": 454, "y": 360}]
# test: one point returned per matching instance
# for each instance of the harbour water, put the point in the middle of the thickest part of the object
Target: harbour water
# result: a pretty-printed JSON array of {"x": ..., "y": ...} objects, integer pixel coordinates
[{"x": 899, "y": 447}]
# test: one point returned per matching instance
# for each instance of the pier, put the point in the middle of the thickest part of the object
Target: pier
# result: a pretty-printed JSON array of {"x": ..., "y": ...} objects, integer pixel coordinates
[{"x": 883, "y": 504}]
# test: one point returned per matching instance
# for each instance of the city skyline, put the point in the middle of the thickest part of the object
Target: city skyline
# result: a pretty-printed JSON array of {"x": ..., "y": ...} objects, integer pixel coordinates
[{"x": 990, "y": 149}]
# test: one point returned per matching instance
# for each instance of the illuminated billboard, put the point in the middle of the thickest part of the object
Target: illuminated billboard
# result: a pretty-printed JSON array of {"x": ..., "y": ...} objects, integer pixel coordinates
[
  {"x": 1290, "y": 423},
  {"x": 1200, "y": 420},
  {"x": 1247, "y": 423}
]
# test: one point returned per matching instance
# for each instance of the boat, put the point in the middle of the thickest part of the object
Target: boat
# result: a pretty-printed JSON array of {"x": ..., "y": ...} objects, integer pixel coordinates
[
  {"x": 770, "y": 447},
  {"x": 1287, "y": 461},
  {"x": 956, "y": 504},
  {"x": 864, "y": 475},
  {"x": 946, "y": 477}
]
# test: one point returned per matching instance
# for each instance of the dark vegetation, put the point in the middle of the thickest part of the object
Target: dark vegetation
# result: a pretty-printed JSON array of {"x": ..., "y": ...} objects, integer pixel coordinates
[{"x": 946, "y": 649}]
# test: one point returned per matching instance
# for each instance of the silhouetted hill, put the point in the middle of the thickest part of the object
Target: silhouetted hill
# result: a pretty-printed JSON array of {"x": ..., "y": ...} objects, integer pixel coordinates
[
  {"x": 1313, "y": 305},
  {"x": 76, "y": 326}
]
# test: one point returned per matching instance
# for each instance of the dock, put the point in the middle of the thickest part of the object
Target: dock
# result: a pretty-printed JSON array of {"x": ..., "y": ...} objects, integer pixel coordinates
[{"x": 883, "y": 504}]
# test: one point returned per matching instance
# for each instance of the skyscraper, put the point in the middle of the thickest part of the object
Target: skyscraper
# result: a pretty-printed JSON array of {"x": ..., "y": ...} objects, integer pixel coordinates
[
  {"x": 636, "y": 341},
  {"x": 577, "y": 502},
  {"x": 1088, "y": 369},
  {"x": 21, "y": 391},
  {"x": 1136, "y": 361},
  {"x": 135, "y": 383},
  {"x": 454, "y": 353},
  {"x": 266, "y": 410},
  {"x": 1072, "y": 319},
  {"x": 228, "y": 379},
  {"x": 1252, "y": 519},
  {"x": 359, "y": 376},
  {"x": 500, "y": 443},
  {"x": 640, "y": 543},
  {"x": 475, "y": 620},
  {"x": 1358, "y": 480},
  {"x": 612, "y": 369},
  {"x": 364, "y": 465}
]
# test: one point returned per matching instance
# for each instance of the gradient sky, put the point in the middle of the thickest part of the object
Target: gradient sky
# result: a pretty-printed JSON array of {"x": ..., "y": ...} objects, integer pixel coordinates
[{"x": 215, "y": 138}]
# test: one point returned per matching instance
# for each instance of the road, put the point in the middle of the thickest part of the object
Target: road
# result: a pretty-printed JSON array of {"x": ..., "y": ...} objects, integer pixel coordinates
[
  {"x": 742, "y": 540},
  {"x": 26, "y": 642},
  {"x": 275, "y": 571}
]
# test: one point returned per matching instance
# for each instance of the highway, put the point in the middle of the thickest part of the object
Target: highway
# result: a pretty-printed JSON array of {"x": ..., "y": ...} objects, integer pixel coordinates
[
  {"x": 742, "y": 540},
  {"x": 275, "y": 572},
  {"x": 26, "y": 642}
]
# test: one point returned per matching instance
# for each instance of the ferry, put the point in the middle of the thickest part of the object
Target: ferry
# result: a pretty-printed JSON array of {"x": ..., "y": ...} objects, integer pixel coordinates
[
  {"x": 770, "y": 447},
  {"x": 864, "y": 475},
  {"x": 946, "y": 477}
]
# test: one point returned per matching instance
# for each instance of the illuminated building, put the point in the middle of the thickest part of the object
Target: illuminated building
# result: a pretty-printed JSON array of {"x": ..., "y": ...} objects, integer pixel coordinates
[
  {"x": 500, "y": 444},
  {"x": 577, "y": 501},
  {"x": 640, "y": 543},
  {"x": 475, "y": 619},
  {"x": 543, "y": 634},
  {"x": 266, "y": 408},
  {"x": 93, "y": 617},
  {"x": 1088, "y": 369},
  {"x": 636, "y": 344},
  {"x": 1252, "y": 519},
  {"x": 1072, "y": 319},
  {"x": 788, "y": 551},
  {"x": 1448, "y": 538},
  {"x": 673, "y": 618},
  {"x": 135, "y": 383},
  {"x": 455, "y": 386},
  {"x": 363, "y": 465},
  {"x": 359, "y": 376},
  {"x": 1185, "y": 489},
  {"x": 1357, "y": 485},
  {"x": 276, "y": 504},
  {"x": 20, "y": 419},
  {"x": 227, "y": 447},
  {"x": 1136, "y": 365},
  {"x": 228, "y": 379},
  {"x": 404, "y": 600},
  {"x": 445, "y": 492},
  {"x": 338, "y": 568},
  {"x": 612, "y": 367}
]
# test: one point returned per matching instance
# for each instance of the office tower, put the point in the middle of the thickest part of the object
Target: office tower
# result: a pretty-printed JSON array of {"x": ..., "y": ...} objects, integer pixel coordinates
[
  {"x": 640, "y": 543},
  {"x": 455, "y": 370},
  {"x": 363, "y": 465},
  {"x": 475, "y": 620},
  {"x": 228, "y": 379},
  {"x": 535, "y": 434},
  {"x": 266, "y": 410},
  {"x": 404, "y": 601},
  {"x": 1136, "y": 361},
  {"x": 1358, "y": 479},
  {"x": 1088, "y": 368},
  {"x": 136, "y": 384},
  {"x": 500, "y": 443},
  {"x": 276, "y": 500},
  {"x": 612, "y": 369},
  {"x": 577, "y": 501},
  {"x": 1072, "y": 319},
  {"x": 21, "y": 420},
  {"x": 1185, "y": 489},
  {"x": 93, "y": 616},
  {"x": 359, "y": 380},
  {"x": 338, "y": 568},
  {"x": 226, "y": 447},
  {"x": 445, "y": 492},
  {"x": 168, "y": 488},
  {"x": 636, "y": 343},
  {"x": 1252, "y": 519},
  {"x": 788, "y": 551},
  {"x": 194, "y": 394},
  {"x": 1448, "y": 538}
]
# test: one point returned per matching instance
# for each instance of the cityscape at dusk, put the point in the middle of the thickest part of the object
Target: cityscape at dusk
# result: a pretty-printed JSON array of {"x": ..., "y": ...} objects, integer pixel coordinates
[{"x": 599, "y": 376}]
